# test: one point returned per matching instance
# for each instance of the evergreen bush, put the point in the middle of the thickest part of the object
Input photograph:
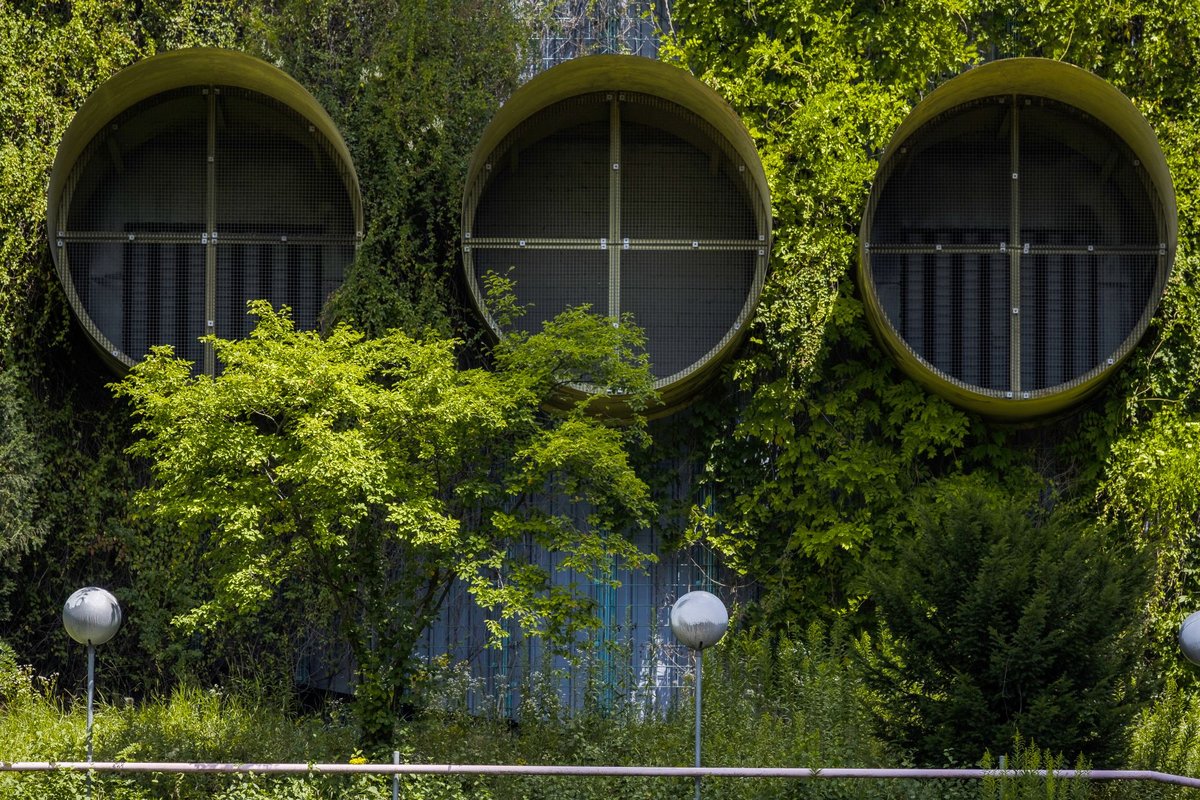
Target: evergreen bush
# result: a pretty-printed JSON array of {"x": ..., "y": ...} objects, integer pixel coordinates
[{"x": 997, "y": 621}]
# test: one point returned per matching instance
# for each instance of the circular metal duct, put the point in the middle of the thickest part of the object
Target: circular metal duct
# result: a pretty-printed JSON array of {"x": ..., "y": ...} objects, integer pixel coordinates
[
  {"x": 627, "y": 185},
  {"x": 188, "y": 184},
  {"x": 1018, "y": 237}
]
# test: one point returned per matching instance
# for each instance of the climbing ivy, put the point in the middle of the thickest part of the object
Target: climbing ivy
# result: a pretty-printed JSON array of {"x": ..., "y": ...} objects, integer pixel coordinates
[
  {"x": 810, "y": 441},
  {"x": 816, "y": 436}
]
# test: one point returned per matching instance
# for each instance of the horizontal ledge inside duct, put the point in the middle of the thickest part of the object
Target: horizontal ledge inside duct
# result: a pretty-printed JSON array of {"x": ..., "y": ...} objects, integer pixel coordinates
[
  {"x": 1034, "y": 250},
  {"x": 200, "y": 238},
  {"x": 493, "y": 243}
]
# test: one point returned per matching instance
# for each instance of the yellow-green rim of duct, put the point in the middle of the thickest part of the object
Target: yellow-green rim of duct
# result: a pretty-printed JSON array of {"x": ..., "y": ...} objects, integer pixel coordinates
[
  {"x": 1089, "y": 93},
  {"x": 160, "y": 73},
  {"x": 628, "y": 73}
]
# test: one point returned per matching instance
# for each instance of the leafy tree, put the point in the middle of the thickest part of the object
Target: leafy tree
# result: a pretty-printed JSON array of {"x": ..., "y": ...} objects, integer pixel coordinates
[
  {"x": 1151, "y": 482},
  {"x": 997, "y": 621},
  {"x": 357, "y": 57},
  {"x": 371, "y": 473}
]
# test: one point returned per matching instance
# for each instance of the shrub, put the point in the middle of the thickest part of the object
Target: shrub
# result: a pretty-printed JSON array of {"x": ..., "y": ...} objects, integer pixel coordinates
[{"x": 997, "y": 621}]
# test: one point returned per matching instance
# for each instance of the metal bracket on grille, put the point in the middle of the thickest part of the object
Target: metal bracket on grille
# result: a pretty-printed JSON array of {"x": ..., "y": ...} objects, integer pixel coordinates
[{"x": 604, "y": 244}]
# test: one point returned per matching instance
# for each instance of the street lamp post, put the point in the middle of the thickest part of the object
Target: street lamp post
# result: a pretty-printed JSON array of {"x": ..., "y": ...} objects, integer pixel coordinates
[
  {"x": 699, "y": 620},
  {"x": 91, "y": 616}
]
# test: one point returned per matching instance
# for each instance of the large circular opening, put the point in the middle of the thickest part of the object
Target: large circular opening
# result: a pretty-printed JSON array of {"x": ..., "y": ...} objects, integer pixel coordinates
[
  {"x": 1018, "y": 237},
  {"x": 189, "y": 184},
  {"x": 625, "y": 185}
]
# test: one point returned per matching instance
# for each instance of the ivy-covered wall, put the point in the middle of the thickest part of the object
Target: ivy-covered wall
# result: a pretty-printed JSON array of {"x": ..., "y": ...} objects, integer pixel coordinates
[
  {"x": 808, "y": 448},
  {"x": 411, "y": 85},
  {"x": 818, "y": 442}
]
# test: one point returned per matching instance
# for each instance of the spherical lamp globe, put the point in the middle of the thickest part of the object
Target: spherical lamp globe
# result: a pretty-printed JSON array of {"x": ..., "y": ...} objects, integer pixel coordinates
[
  {"x": 1189, "y": 638},
  {"x": 91, "y": 615},
  {"x": 699, "y": 620}
]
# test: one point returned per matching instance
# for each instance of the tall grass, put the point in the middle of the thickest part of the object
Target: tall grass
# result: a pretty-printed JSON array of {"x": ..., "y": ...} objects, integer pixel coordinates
[
  {"x": 779, "y": 701},
  {"x": 37, "y": 724}
]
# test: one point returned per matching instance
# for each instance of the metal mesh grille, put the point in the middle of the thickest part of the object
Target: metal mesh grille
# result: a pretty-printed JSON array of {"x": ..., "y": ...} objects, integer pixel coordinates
[
  {"x": 686, "y": 302},
  {"x": 194, "y": 201},
  {"x": 1081, "y": 185},
  {"x": 276, "y": 176},
  {"x": 300, "y": 276},
  {"x": 949, "y": 183},
  {"x": 952, "y": 309},
  {"x": 1077, "y": 311},
  {"x": 141, "y": 294},
  {"x": 145, "y": 172},
  {"x": 680, "y": 181},
  {"x": 550, "y": 280},
  {"x": 552, "y": 184},
  {"x": 1006, "y": 189},
  {"x": 628, "y": 203}
]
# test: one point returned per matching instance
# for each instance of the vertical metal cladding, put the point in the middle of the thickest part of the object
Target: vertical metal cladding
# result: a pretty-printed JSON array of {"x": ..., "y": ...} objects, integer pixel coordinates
[
  {"x": 626, "y": 185},
  {"x": 188, "y": 184},
  {"x": 1018, "y": 237}
]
